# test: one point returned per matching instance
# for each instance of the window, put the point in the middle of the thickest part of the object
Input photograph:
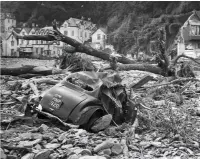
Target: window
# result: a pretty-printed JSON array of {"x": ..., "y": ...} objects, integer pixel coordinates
[
  {"x": 36, "y": 50},
  {"x": 12, "y": 43},
  {"x": 22, "y": 41},
  {"x": 36, "y": 42},
  {"x": 98, "y": 36},
  {"x": 27, "y": 42},
  {"x": 65, "y": 25},
  {"x": 42, "y": 50},
  {"x": 65, "y": 33},
  {"x": 104, "y": 37},
  {"x": 189, "y": 46},
  {"x": 86, "y": 34},
  {"x": 198, "y": 45},
  {"x": 12, "y": 52},
  {"x": 195, "y": 30},
  {"x": 23, "y": 33},
  {"x": 72, "y": 33},
  {"x": 41, "y": 42},
  {"x": 48, "y": 52},
  {"x": 8, "y": 20}
]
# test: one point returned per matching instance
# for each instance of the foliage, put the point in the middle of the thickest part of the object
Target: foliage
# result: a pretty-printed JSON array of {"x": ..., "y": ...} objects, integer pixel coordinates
[{"x": 76, "y": 62}]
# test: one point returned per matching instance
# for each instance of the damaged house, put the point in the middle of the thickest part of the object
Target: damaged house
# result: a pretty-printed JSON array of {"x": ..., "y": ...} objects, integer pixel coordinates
[{"x": 189, "y": 39}]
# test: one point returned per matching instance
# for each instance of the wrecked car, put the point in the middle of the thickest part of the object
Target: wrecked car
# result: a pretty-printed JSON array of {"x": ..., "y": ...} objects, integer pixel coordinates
[{"x": 82, "y": 98}]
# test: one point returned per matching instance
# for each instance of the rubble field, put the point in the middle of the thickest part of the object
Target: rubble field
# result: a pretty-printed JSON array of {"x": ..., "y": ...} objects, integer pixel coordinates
[{"x": 167, "y": 124}]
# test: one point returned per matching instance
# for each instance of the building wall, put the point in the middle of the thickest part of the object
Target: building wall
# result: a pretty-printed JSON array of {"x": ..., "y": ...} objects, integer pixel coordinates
[
  {"x": 9, "y": 23},
  {"x": 45, "y": 50},
  {"x": 4, "y": 52},
  {"x": 80, "y": 33},
  {"x": 10, "y": 47},
  {"x": 185, "y": 45},
  {"x": 72, "y": 32},
  {"x": 99, "y": 37},
  {"x": 181, "y": 48}
]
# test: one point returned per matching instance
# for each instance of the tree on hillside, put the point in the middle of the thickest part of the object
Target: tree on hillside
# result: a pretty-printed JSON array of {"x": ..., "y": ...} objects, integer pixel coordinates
[{"x": 41, "y": 20}]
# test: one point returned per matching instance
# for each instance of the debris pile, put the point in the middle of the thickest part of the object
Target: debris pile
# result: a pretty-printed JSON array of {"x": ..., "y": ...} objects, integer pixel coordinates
[{"x": 167, "y": 122}]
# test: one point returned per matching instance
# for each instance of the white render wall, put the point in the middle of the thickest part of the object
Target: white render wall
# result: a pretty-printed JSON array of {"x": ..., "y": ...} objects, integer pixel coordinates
[
  {"x": 7, "y": 47},
  {"x": 80, "y": 34},
  {"x": 8, "y": 23},
  {"x": 101, "y": 41}
]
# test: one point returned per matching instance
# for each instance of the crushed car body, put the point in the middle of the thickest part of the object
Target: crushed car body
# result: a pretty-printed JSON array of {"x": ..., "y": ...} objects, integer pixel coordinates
[{"x": 84, "y": 97}]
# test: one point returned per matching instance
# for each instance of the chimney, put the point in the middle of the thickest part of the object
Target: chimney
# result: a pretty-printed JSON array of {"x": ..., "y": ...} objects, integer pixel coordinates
[
  {"x": 33, "y": 25},
  {"x": 82, "y": 18}
]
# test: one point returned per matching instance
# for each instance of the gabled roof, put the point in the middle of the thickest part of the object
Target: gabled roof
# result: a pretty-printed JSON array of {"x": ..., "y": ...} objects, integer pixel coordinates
[
  {"x": 27, "y": 30},
  {"x": 197, "y": 13},
  {"x": 37, "y": 29},
  {"x": 9, "y": 36},
  {"x": 193, "y": 19},
  {"x": 74, "y": 22},
  {"x": 104, "y": 30},
  {"x": 45, "y": 30}
]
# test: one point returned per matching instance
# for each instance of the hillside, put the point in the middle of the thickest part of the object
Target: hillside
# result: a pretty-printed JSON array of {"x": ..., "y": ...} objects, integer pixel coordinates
[{"x": 128, "y": 22}]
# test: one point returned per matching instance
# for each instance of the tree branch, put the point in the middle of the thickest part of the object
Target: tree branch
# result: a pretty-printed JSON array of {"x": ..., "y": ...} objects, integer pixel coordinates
[
  {"x": 141, "y": 67},
  {"x": 175, "y": 60}
]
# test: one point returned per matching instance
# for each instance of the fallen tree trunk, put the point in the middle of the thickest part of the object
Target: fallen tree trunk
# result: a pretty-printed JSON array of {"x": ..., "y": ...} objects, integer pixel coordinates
[
  {"x": 142, "y": 67},
  {"x": 16, "y": 71},
  {"x": 29, "y": 69}
]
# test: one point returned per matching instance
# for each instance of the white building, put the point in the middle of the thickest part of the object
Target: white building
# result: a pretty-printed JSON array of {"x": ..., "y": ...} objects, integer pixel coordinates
[
  {"x": 42, "y": 48},
  {"x": 9, "y": 45},
  {"x": 25, "y": 46},
  {"x": 77, "y": 29},
  {"x": 7, "y": 22},
  {"x": 8, "y": 41},
  {"x": 99, "y": 39},
  {"x": 189, "y": 40}
]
